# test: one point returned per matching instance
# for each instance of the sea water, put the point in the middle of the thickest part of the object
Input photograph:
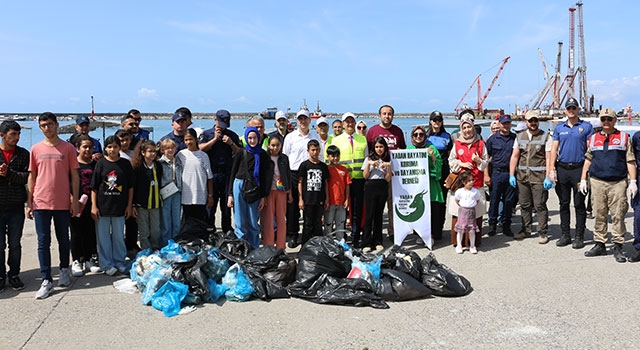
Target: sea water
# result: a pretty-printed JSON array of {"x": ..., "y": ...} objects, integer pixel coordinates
[{"x": 31, "y": 134}]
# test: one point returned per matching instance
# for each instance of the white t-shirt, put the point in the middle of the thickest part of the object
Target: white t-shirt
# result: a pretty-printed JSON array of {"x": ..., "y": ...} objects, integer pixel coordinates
[
  {"x": 295, "y": 147},
  {"x": 468, "y": 199},
  {"x": 196, "y": 170}
]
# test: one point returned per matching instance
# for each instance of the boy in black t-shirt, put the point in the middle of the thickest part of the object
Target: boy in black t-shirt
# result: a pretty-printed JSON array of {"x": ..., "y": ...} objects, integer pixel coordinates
[{"x": 314, "y": 198}]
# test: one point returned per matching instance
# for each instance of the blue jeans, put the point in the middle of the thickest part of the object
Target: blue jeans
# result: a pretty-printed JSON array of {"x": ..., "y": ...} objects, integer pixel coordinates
[
  {"x": 111, "y": 247},
  {"x": 42, "y": 220},
  {"x": 170, "y": 221},
  {"x": 245, "y": 215},
  {"x": 501, "y": 192},
  {"x": 11, "y": 224}
]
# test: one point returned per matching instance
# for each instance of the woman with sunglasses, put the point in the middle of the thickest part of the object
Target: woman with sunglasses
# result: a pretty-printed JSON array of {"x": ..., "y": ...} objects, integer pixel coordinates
[
  {"x": 361, "y": 128},
  {"x": 419, "y": 140}
]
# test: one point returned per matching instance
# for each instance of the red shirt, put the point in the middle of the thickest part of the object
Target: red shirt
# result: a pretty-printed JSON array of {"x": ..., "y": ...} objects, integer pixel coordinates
[
  {"x": 8, "y": 154},
  {"x": 338, "y": 180},
  {"x": 394, "y": 136}
]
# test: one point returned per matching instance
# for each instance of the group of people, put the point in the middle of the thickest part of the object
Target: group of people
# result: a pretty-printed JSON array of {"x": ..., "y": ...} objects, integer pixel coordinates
[{"x": 134, "y": 193}]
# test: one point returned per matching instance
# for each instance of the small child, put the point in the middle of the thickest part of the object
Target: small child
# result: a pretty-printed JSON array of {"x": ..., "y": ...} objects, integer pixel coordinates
[
  {"x": 111, "y": 203},
  {"x": 83, "y": 229},
  {"x": 467, "y": 198},
  {"x": 377, "y": 171},
  {"x": 197, "y": 179},
  {"x": 279, "y": 195},
  {"x": 339, "y": 183},
  {"x": 314, "y": 198},
  {"x": 125, "y": 141},
  {"x": 171, "y": 172},
  {"x": 146, "y": 194}
]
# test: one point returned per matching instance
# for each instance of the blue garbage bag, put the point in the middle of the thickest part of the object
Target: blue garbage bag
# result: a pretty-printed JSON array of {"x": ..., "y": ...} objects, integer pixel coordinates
[
  {"x": 168, "y": 298},
  {"x": 155, "y": 280},
  {"x": 240, "y": 288},
  {"x": 216, "y": 267},
  {"x": 173, "y": 252},
  {"x": 368, "y": 271},
  {"x": 216, "y": 290}
]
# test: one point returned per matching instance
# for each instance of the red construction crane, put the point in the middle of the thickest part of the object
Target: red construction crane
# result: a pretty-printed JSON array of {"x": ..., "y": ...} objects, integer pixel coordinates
[{"x": 479, "y": 109}]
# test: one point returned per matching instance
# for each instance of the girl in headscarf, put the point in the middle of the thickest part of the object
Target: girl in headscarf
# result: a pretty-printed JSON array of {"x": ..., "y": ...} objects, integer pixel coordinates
[
  {"x": 468, "y": 153},
  {"x": 419, "y": 140},
  {"x": 249, "y": 164}
]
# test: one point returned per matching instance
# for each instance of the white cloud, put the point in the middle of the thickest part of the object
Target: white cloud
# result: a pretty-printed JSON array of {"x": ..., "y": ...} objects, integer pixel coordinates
[
  {"x": 147, "y": 93},
  {"x": 243, "y": 99},
  {"x": 615, "y": 91}
]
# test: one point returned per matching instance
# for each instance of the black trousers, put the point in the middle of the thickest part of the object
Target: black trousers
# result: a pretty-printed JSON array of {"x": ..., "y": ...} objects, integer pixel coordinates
[
  {"x": 375, "y": 195},
  {"x": 83, "y": 238},
  {"x": 131, "y": 234},
  {"x": 293, "y": 211},
  {"x": 356, "y": 193},
  {"x": 568, "y": 182},
  {"x": 312, "y": 221},
  {"x": 198, "y": 211},
  {"x": 220, "y": 185}
]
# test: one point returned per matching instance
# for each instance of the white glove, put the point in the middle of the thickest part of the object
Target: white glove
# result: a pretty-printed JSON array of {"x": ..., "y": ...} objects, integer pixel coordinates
[
  {"x": 632, "y": 190},
  {"x": 583, "y": 187},
  {"x": 553, "y": 176}
]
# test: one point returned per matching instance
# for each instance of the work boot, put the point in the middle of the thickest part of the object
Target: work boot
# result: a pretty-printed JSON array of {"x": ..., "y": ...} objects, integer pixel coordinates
[
  {"x": 522, "y": 234},
  {"x": 618, "y": 254},
  {"x": 578, "y": 242},
  {"x": 564, "y": 240},
  {"x": 597, "y": 250},
  {"x": 635, "y": 257},
  {"x": 506, "y": 229},
  {"x": 492, "y": 230},
  {"x": 544, "y": 238}
]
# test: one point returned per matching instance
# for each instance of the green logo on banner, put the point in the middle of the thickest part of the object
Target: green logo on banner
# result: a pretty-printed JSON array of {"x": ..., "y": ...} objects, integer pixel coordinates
[{"x": 418, "y": 204}]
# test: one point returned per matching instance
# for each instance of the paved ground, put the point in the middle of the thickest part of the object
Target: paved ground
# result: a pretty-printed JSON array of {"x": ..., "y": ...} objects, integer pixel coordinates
[{"x": 526, "y": 296}]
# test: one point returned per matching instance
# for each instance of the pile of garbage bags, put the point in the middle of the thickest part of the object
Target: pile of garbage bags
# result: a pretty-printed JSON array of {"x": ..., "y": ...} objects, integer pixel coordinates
[{"x": 202, "y": 266}]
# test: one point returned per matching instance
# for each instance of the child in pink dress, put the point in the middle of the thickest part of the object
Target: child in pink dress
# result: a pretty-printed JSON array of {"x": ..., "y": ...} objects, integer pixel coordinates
[{"x": 467, "y": 198}]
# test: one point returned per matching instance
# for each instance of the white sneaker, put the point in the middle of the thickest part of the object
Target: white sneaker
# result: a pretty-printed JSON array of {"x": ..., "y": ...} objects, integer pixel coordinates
[
  {"x": 90, "y": 266},
  {"x": 111, "y": 271},
  {"x": 65, "y": 279},
  {"x": 45, "y": 289},
  {"x": 77, "y": 269}
]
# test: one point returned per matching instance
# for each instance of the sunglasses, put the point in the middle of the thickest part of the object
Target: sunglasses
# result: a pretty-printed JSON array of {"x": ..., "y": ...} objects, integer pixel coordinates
[
  {"x": 571, "y": 108},
  {"x": 362, "y": 128},
  {"x": 533, "y": 120},
  {"x": 418, "y": 134},
  {"x": 436, "y": 120},
  {"x": 606, "y": 119}
]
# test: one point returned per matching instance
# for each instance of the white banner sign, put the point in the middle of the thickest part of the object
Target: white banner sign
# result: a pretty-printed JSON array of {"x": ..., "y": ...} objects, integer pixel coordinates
[{"x": 411, "y": 196}]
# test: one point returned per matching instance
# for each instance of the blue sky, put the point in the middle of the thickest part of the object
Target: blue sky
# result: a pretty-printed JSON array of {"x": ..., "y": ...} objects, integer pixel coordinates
[{"x": 350, "y": 55}]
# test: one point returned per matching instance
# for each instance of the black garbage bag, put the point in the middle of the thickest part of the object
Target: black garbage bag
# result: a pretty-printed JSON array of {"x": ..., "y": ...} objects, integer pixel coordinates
[
  {"x": 233, "y": 248},
  {"x": 397, "y": 286},
  {"x": 194, "y": 228},
  {"x": 321, "y": 255},
  {"x": 404, "y": 260},
  {"x": 328, "y": 289},
  {"x": 264, "y": 258},
  {"x": 270, "y": 271},
  {"x": 191, "y": 274},
  {"x": 442, "y": 280}
]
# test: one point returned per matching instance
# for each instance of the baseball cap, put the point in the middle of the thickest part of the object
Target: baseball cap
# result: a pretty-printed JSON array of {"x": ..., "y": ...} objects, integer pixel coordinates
[
  {"x": 435, "y": 115},
  {"x": 572, "y": 102},
  {"x": 82, "y": 119},
  {"x": 178, "y": 116},
  {"x": 505, "y": 118},
  {"x": 347, "y": 115},
  {"x": 322, "y": 120},
  {"x": 522, "y": 126},
  {"x": 302, "y": 112},
  {"x": 530, "y": 114},
  {"x": 608, "y": 112},
  {"x": 280, "y": 115},
  {"x": 223, "y": 118}
]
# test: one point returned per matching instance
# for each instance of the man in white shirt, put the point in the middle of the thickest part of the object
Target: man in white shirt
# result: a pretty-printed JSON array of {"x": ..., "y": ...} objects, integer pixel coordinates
[{"x": 295, "y": 147}]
